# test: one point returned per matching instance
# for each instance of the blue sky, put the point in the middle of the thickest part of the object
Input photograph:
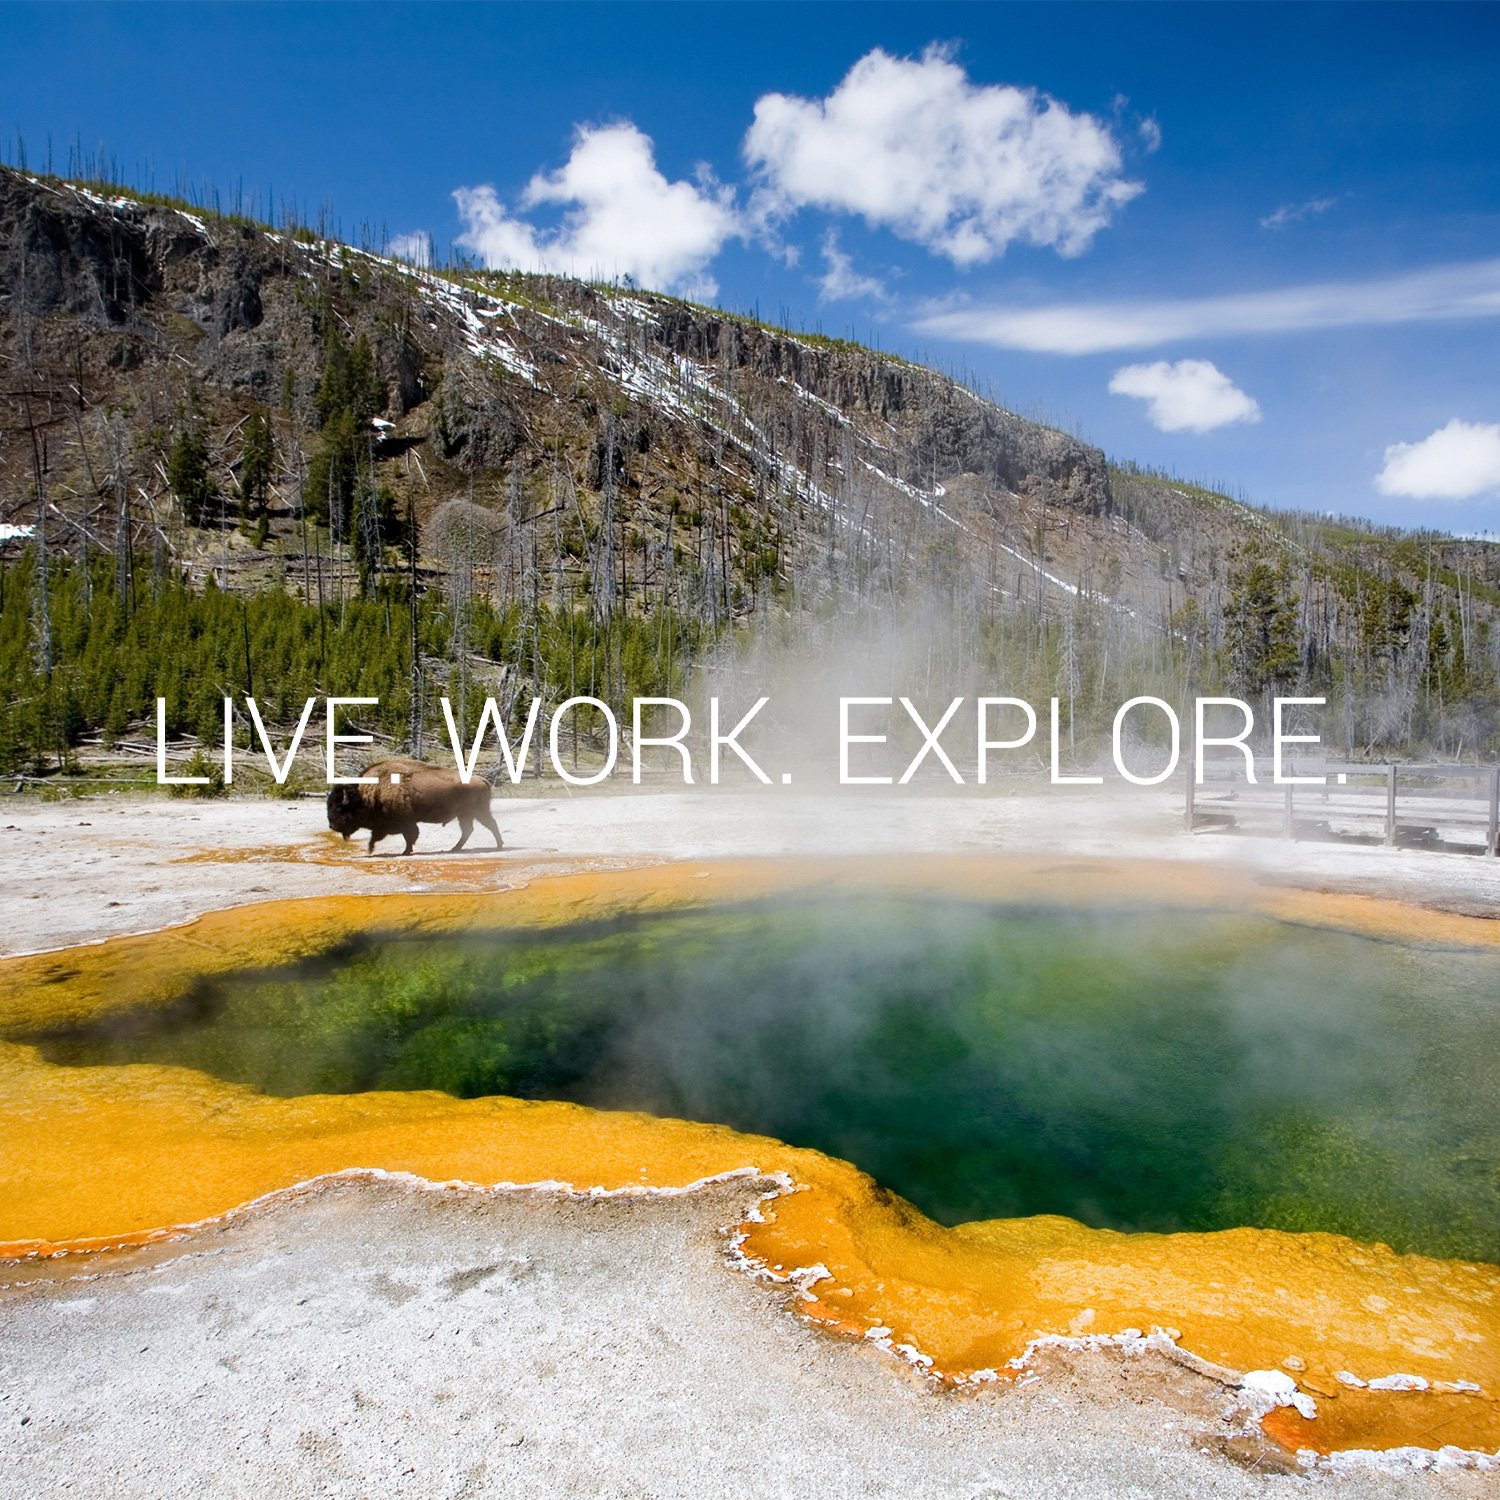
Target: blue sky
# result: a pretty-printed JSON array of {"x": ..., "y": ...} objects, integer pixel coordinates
[{"x": 1257, "y": 245}]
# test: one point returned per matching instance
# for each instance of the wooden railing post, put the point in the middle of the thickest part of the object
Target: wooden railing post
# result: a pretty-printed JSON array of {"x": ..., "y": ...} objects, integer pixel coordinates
[{"x": 1472, "y": 808}]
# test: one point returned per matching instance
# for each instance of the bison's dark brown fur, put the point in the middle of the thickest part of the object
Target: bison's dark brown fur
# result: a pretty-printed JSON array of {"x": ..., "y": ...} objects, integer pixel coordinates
[{"x": 407, "y": 793}]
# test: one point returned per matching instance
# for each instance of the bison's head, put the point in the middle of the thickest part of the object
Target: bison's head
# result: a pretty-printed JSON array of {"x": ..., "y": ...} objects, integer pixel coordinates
[{"x": 345, "y": 810}]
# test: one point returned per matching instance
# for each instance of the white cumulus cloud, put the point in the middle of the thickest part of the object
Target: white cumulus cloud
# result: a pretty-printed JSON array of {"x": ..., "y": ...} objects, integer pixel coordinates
[
  {"x": 622, "y": 217},
  {"x": 1192, "y": 395},
  {"x": 1457, "y": 462},
  {"x": 415, "y": 247},
  {"x": 840, "y": 282},
  {"x": 963, "y": 169}
]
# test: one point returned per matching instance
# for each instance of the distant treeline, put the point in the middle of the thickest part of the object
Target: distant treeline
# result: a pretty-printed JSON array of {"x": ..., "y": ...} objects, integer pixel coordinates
[
  {"x": 85, "y": 654},
  {"x": 109, "y": 652}
]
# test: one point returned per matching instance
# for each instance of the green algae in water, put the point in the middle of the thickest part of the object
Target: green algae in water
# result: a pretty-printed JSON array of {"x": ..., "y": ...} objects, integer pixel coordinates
[{"x": 1155, "y": 1070}]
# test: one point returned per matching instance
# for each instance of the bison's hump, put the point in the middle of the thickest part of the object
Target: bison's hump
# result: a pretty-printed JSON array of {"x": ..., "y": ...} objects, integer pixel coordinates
[{"x": 422, "y": 792}]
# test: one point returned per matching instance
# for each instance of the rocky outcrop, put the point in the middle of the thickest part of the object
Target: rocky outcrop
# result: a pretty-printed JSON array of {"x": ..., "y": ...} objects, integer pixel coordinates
[
  {"x": 948, "y": 430},
  {"x": 236, "y": 288},
  {"x": 59, "y": 253},
  {"x": 957, "y": 434}
]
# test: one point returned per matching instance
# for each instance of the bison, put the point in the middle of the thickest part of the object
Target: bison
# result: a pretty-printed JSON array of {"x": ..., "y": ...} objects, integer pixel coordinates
[{"x": 409, "y": 792}]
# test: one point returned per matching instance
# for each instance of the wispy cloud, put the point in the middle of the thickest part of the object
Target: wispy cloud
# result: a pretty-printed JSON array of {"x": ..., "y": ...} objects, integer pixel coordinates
[
  {"x": 840, "y": 282},
  {"x": 1291, "y": 213},
  {"x": 963, "y": 169},
  {"x": 1470, "y": 290},
  {"x": 1457, "y": 462},
  {"x": 1192, "y": 395}
]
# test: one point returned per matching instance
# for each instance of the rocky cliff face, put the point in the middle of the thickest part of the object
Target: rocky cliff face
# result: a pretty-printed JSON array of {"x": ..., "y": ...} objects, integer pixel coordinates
[
  {"x": 947, "y": 430},
  {"x": 669, "y": 447}
]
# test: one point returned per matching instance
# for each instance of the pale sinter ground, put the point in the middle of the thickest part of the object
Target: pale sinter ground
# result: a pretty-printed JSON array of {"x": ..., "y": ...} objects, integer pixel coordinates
[
  {"x": 373, "y": 1339},
  {"x": 94, "y": 868}
]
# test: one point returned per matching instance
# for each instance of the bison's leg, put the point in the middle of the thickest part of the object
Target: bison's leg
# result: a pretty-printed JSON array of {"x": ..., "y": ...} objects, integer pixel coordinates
[
  {"x": 465, "y": 828},
  {"x": 409, "y": 833},
  {"x": 488, "y": 819},
  {"x": 370, "y": 847}
]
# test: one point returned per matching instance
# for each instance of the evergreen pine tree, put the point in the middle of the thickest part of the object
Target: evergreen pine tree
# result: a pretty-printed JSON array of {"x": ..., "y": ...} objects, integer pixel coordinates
[
  {"x": 188, "y": 475},
  {"x": 257, "y": 462}
]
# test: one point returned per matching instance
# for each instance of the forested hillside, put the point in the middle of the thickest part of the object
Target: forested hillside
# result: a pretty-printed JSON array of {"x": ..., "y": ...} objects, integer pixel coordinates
[{"x": 243, "y": 460}]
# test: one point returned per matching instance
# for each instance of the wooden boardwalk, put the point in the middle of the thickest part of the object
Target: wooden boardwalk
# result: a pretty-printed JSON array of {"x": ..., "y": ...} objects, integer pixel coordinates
[{"x": 1437, "y": 806}]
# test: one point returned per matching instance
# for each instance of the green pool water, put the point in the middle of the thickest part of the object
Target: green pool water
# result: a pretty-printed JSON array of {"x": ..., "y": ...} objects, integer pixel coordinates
[{"x": 1143, "y": 1070}]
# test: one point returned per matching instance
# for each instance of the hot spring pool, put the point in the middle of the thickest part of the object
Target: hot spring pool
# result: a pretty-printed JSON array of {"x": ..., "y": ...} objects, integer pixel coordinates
[{"x": 1144, "y": 1070}]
